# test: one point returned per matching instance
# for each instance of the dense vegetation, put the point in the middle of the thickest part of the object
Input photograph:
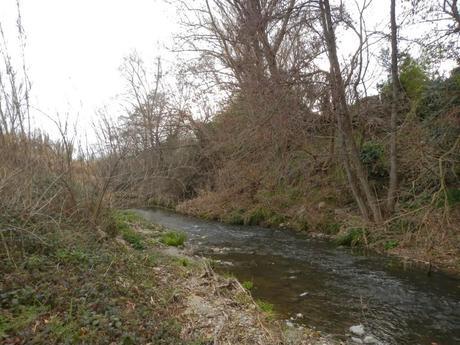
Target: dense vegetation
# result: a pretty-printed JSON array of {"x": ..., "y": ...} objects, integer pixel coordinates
[{"x": 254, "y": 131}]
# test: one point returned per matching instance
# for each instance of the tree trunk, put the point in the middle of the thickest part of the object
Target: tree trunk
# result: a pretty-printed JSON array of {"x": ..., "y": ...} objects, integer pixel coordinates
[
  {"x": 356, "y": 174},
  {"x": 391, "y": 197}
]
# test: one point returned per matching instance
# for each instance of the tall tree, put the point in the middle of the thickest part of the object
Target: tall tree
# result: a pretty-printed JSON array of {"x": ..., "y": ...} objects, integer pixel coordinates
[
  {"x": 356, "y": 174},
  {"x": 391, "y": 197}
]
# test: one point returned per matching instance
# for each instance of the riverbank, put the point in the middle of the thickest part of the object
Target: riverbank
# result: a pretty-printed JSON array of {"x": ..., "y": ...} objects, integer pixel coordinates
[
  {"x": 421, "y": 237},
  {"x": 129, "y": 288}
]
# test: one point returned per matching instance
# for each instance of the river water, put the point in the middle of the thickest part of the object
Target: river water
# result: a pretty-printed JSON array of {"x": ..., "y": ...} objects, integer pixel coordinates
[{"x": 333, "y": 288}]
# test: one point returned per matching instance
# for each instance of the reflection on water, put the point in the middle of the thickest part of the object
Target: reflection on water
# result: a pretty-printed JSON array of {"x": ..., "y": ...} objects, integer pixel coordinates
[{"x": 331, "y": 287}]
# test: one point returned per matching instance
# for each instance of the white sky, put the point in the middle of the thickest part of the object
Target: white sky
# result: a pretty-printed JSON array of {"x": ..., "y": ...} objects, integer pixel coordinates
[{"x": 75, "y": 47}]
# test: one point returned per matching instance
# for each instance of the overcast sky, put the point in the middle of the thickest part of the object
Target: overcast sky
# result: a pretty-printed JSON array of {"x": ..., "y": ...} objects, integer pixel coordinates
[{"x": 75, "y": 47}]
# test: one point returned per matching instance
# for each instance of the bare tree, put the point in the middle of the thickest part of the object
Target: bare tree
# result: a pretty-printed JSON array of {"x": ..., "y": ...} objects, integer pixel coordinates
[
  {"x": 357, "y": 176},
  {"x": 391, "y": 197}
]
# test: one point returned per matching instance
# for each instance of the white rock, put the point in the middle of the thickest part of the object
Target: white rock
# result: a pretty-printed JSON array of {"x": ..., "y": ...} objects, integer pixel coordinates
[
  {"x": 299, "y": 315},
  {"x": 369, "y": 339},
  {"x": 357, "y": 330},
  {"x": 356, "y": 340},
  {"x": 303, "y": 294},
  {"x": 289, "y": 323}
]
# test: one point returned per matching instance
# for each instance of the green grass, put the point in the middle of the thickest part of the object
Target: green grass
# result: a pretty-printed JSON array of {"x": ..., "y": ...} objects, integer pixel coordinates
[
  {"x": 124, "y": 220},
  {"x": 21, "y": 317},
  {"x": 390, "y": 244},
  {"x": 235, "y": 217},
  {"x": 257, "y": 216},
  {"x": 353, "y": 237},
  {"x": 329, "y": 227},
  {"x": 248, "y": 285},
  {"x": 173, "y": 238},
  {"x": 72, "y": 256},
  {"x": 134, "y": 239},
  {"x": 266, "y": 307}
]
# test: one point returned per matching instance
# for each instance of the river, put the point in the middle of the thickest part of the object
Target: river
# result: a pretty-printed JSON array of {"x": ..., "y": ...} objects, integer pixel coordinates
[{"x": 332, "y": 288}]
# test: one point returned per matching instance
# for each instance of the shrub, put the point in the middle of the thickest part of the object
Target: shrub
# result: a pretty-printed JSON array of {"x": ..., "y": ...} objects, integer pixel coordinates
[
  {"x": 372, "y": 157},
  {"x": 173, "y": 238}
]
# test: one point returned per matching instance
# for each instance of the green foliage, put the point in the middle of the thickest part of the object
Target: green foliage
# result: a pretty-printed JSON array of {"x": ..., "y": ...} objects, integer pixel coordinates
[
  {"x": 72, "y": 256},
  {"x": 413, "y": 79},
  {"x": 184, "y": 262},
  {"x": 265, "y": 306},
  {"x": 35, "y": 262},
  {"x": 353, "y": 237},
  {"x": 248, "y": 285},
  {"x": 133, "y": 238},
  {"x": 390, "y": 244},
  {"x": 371, "y": 155},
  {"x": 124, "y": 221},
  {"x": 173, "y": 238},
  {"x": 22, "y": 317},
  {"x": 329, "y": 227}
]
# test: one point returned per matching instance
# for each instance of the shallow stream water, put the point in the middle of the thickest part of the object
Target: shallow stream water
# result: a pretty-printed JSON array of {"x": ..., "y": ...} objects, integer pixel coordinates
[{"x": 332, "y": 288}]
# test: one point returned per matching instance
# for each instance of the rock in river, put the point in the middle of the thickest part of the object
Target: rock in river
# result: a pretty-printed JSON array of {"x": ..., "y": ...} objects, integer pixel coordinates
[{"x": 357, "y": 330}]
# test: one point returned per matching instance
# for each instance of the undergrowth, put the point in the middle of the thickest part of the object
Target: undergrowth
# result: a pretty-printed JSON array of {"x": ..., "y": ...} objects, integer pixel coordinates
[{"x": 82, "y": 289}]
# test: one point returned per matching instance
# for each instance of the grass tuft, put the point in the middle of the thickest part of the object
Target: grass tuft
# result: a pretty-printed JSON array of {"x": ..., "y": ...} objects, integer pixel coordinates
[{"x": 173, "y": 238}]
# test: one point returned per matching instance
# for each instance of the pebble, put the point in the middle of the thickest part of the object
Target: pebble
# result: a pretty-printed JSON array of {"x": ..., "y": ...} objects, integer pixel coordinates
[
  {"x": 357, "y": 330},
  {"x": 356, "y": 340},
  {"x": 303, "y": 294},
  {"x": 299, "y": 315}
]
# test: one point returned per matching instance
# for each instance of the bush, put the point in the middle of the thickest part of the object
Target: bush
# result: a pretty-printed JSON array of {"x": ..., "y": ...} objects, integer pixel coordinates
[
  {"x": 372, "y": 157},
  {"x": 173, "y": 238}
]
